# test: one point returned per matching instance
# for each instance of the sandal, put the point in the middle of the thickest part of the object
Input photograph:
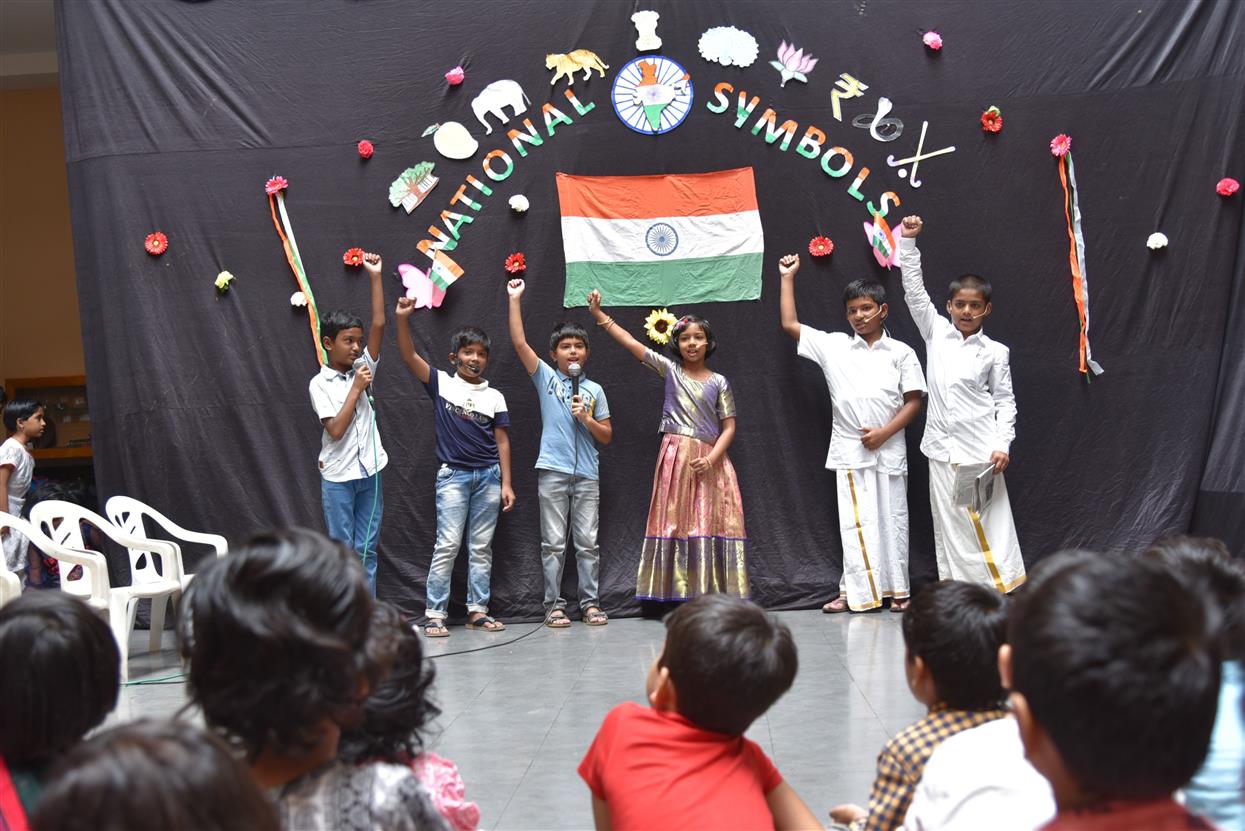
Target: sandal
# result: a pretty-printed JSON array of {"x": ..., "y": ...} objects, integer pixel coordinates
[
  {"x": 593, "y": 616},
  {"x": 834, "y": 607},
  {"x": 484, "y": 623},
  {"x": 435, "y": 628},
  {"x": 898, "y": 606},
  {"x": 557, "y": 619}
]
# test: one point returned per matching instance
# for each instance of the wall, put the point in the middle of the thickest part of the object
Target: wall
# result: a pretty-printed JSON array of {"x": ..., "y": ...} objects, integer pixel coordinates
[{"x": 40, "y": 333}]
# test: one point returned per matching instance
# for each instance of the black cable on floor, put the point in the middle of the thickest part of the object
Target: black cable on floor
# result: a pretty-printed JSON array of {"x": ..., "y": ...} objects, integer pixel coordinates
[{"x": 535, "y": 628}]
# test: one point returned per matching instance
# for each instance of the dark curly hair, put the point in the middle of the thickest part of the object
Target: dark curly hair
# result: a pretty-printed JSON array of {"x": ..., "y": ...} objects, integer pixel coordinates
[
  {"x": 683, "y": 323},
  {"x": 153, "y": 774},
  {"x": 60, "y": 677},
  {"x": 397, "y": 710},
  {"x": 276, "y": 639}
]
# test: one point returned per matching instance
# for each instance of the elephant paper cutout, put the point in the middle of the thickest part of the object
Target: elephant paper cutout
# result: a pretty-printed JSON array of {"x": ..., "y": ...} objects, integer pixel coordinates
[
  {"x": 494, "y": 99},
  {"x": 571, "y": 62}
]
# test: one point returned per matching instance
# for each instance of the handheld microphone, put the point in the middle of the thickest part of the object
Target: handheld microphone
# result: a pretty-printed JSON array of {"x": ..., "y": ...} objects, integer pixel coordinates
[
  {"x": 574, "y": 370},
  {"x": 359, "y": 363}
]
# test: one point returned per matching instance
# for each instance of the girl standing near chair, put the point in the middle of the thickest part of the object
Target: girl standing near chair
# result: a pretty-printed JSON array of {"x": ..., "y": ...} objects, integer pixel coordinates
[
  {"x": 694, "y": 540},
  {"x": 23, "y": 418}
]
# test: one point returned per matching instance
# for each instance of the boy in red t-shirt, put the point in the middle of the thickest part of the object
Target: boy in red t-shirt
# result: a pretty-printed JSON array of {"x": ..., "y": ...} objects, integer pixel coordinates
[{"x": 683, "y": 762}]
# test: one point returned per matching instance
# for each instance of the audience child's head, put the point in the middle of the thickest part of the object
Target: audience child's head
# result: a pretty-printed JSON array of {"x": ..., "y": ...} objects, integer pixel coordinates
[
  {"x": 469, "y": 352},
  {"x": 725, "y": 662},
  {"x": 23, "y": 417},
  {"x": 1114, "y": 677},
  {"x": 397, "y": 710},
  {"x": 952, "y": 632},
  {"x": 692, "y": 340},
  {"x": 968, "y": 302},
  {"x": 59, "y": 675},
  {"x": 1204, "y": 566},
  {"x": 342, "y": 335},
  {"x": 153, "y": 774},
  {"x": 276, "y": 636},
  {"x": 865, "y": 304},
  {"x": 568, "y": 344}
]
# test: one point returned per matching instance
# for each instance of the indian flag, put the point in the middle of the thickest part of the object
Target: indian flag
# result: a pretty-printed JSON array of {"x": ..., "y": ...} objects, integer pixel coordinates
[{"x": 661, "y": 240}]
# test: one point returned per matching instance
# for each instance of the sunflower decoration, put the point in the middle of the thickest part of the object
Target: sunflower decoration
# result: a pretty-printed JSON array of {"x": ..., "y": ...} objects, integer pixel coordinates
[{"x": 659, "y": 324}]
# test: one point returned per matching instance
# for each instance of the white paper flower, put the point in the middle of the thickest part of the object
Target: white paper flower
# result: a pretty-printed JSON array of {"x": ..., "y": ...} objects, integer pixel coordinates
[
  {"x": 728, "y": 46},
  {"x": 298, "y": 299},
  {"x": 1157, "y": 241},
  {"x": 519, "y": 203}
]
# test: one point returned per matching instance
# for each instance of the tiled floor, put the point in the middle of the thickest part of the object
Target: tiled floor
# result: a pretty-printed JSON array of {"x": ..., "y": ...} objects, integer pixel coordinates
[{"x": 518, "y": 718}]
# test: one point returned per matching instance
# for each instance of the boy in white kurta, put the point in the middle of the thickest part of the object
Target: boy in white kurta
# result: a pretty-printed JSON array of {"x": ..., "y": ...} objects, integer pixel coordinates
[
  {"x": 971, "y": 419},
  {"x": 875, "y": 385}
]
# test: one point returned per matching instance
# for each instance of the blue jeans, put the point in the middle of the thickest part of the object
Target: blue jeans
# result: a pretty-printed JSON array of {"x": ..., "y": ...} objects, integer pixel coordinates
[
  {"x": 467, "y": 501},
  {"x": 348, "y": 507}
]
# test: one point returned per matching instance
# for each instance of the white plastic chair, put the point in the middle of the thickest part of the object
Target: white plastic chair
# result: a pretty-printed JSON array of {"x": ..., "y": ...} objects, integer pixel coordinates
[
  {"x": 10, "y": 583},
  {"x": 61, "y": 522},
  {"x": 127, "y": 513},
  {"x": 90, "y": 585}
]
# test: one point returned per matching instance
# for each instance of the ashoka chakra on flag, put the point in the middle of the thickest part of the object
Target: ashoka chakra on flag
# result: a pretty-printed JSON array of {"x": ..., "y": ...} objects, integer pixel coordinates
[{"x": 661, "y": 240}]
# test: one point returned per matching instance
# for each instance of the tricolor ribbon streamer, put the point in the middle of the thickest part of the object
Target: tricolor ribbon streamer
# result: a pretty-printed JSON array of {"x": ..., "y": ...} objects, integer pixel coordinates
[
  {"x": 1076, "y": 258},
  {"x": 276, "y": 202}
]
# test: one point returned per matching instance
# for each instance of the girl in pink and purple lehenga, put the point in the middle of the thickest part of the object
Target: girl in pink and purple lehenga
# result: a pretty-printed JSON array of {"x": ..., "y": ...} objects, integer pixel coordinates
[{"x": 694, "y": 541}]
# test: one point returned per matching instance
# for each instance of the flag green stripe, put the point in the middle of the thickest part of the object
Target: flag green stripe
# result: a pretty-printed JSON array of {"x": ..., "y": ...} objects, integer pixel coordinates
[{"x": 666, "y": 283}]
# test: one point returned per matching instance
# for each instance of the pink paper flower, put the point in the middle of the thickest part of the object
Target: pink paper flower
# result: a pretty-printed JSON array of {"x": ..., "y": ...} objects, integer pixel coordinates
[
  {"x": 820, "y": 246},
  {"x": 156, "y": 244},
  {"x": 1227, "y": 187},
  {"x": 515, "y": 263},
  {"x": 1060, "y": 145},
  {"x": 933, "y": 40},
  {"x": 793, "y": 63},
  {"x": 366, "y": 149},
  {"x": 455, "y": 76},
  {"x": 992, "y": 120},
  {"x": 275, "y": 184}
]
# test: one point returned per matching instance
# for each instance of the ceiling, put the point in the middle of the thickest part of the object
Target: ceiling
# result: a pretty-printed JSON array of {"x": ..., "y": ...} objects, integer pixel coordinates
[{"x": 28, "y": 43}]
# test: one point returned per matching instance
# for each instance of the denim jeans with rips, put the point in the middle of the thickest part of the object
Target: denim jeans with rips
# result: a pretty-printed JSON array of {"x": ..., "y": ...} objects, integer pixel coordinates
[{"x": 468, "y": 501}]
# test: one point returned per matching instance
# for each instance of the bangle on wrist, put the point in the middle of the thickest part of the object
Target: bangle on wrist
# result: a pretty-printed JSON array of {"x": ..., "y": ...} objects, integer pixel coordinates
[{"x": 608, "y": 320}]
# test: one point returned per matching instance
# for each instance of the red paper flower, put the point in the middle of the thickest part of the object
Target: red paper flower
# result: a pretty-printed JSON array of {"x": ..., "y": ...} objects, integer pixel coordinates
[
  {"x": 820, "y": 246},
  {"x": 933, "y": 40},
  {"x": 276, "y": 183},
  {"x": 156, "y": 244},
  {"x": 992, "y": 120},
  {"x": 1060, "y": 145},
  {"x": 353, "y": 257},
  {"x": 455, "y": 76},
  {"x": 515, "y": 263},
  {"x": 366, "y": 149},
  {"x": 1227, "y": 187}
]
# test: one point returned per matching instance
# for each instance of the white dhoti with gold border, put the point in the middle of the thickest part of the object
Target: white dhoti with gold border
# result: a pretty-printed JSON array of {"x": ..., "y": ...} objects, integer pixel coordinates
[
  {"x": 873, "y": 525},
  {"x": 978, "y": 548}
]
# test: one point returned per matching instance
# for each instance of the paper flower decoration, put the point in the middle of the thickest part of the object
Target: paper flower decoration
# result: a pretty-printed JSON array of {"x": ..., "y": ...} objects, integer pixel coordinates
[
  {"x": 298, "y": 299},
  {"x": 793, "y": 63},
  {"x": 820, "y": 246},
  {"x": 366, "y": 149},
  {"x": 933, "y": 40},
  {"x": 519, "y": 203},
  {"x": 222, "y": 282},
  {"x": 455, "y": 76},
  {"x": 1227, "y": 187},
  {"x": 992, "y": 120},
  {"x": 1060, "y": 145},
  {"x": 156, "y": 244},
  {"x": 353, "y": 257},
  {"x": 659, "y": 324},
  {"x": 1156, "y": 241},
  {"x": 515, "y": 263},
  {"x": 728, "y": 46}
]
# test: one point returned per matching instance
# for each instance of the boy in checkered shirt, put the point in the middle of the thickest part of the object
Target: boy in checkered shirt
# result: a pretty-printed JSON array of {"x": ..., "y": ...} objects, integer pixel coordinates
[{"x": 952, "y": 632}]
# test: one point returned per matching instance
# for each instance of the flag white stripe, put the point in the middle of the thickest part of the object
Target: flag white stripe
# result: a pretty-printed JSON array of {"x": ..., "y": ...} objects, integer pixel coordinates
[{"x": 649, "y": 240}]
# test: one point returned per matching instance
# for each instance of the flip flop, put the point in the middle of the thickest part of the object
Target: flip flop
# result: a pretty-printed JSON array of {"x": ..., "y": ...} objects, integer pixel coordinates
[
  {"x": 898, "y": 606},
  {"x": 836, "y": 606},
  {"x": 557, "y": 619},
  {"x": 597, "y": 618},
  {"x": 435, "y": 629},
  {"x": 484, "y": 623}
]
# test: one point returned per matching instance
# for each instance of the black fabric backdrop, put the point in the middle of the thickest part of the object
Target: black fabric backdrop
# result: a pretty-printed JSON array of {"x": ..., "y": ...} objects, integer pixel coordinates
[{"x": 177, "y": 112}]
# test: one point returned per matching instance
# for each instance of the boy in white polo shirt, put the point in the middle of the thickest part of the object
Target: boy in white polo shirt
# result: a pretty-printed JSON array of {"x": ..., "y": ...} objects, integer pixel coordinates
[
  {"x": 351, "y": 456},
  {"x": 971, "y": 419},
  {"x": 875, "y": 385}
]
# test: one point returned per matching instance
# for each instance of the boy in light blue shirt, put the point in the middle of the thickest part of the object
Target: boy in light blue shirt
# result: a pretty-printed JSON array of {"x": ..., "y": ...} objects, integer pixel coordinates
[{"x": 574, "y": 415}]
